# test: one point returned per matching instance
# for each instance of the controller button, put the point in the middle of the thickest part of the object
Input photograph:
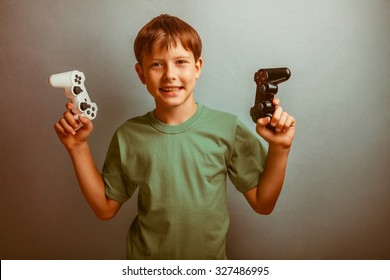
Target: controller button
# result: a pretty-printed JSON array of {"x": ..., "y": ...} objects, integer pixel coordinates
[
  {"x": 77, "y": 79},
  {"x": 93, "y": 108},
  {"x": 88, "y": 112},
  {"x": 77, "y": 90},
  {"x": 83, "y": 106}
]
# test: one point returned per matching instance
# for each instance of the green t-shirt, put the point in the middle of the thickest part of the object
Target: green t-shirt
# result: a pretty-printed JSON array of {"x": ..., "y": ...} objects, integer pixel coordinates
[{"x": 181, "y": 174}]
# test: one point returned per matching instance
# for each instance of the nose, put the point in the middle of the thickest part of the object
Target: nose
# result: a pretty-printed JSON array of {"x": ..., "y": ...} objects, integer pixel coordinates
[{"x": 170, "y": 73}]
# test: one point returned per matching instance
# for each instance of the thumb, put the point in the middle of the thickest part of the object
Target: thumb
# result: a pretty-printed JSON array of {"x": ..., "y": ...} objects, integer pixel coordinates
[
  {"x": 264, "y": 121},
  {"x": 87, "y": 124}
]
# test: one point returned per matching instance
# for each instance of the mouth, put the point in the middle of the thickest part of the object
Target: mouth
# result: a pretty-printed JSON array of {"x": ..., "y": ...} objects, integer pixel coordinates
[{"x": 171, "y": 89}]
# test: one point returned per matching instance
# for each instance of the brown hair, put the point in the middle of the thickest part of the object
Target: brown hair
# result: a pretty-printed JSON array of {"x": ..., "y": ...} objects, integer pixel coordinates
[{"x": 167, "y": 31}]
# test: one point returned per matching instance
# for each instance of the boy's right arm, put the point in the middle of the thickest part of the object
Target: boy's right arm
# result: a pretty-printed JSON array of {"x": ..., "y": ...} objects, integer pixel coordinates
[{"x": 89, "y": 178}]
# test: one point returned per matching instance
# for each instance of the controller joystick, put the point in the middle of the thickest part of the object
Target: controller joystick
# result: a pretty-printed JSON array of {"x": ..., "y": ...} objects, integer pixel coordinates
[
  {"x": 267, "y": 81},
  {"x": 73, "y": 84}
]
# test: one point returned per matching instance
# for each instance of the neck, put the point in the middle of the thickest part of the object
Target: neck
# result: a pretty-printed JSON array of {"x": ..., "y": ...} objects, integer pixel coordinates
[{"x": 175, "y": 115}]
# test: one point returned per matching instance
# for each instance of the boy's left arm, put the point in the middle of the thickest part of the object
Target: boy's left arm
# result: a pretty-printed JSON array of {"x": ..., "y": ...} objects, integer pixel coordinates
[{"x": 263, "y": 197}]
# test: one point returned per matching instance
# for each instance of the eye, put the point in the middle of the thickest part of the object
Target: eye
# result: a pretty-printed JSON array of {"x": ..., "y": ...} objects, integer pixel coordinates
[
  {"x": 181, "y": 61},
  {"x": 156, "y": 64}
]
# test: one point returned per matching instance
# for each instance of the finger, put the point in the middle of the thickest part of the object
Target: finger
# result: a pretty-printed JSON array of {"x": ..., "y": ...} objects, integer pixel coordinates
[
  {"x": 69, "y": 105},
  {"x": 276, "y": 115},
  {"x": 275, "y": 101},
  {"x": 59, "y": 129},
  {"x": 71, "y": 120},
  {"x": 282, "y": 122},
  {"x": 66, "y": 126},
  {"x": 289, "y": 122}
]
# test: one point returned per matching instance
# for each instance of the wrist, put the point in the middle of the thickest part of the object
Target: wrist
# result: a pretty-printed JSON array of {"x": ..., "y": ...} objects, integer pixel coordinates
[
  {"x": 78, "y": 149},
  {"x": 280, "y": 149}
]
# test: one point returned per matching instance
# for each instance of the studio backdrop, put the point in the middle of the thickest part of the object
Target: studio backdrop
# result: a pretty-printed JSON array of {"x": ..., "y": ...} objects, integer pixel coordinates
[{"x": 336, "y": 198}]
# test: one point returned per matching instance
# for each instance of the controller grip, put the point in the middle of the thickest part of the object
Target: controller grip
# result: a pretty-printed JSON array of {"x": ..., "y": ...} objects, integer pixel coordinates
[
  {"x": 61, "y": 80},
  {"x": 256, "y": 114},
  {"x": 270, "y": 127}
]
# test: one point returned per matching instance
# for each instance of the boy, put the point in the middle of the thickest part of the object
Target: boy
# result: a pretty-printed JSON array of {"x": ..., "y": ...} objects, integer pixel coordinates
[{"x": 178, "y": 155}]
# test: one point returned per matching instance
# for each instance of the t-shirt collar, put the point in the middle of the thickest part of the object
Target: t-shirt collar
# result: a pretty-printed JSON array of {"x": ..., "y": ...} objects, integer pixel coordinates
[{"x": 174, "y": 129}]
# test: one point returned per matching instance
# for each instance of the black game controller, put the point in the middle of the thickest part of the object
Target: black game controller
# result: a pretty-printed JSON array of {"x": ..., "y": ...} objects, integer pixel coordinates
[{"x": 267, "y": 81}]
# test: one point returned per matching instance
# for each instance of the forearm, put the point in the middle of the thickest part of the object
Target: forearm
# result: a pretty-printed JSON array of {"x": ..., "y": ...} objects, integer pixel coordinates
[
  {"x": 90, "y": 181},
  {"x": 272, "y": 179},
  {"x": 263, "y": 197}
]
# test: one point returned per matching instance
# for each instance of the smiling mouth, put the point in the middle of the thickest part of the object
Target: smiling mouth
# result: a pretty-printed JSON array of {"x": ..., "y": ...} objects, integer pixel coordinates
[{"x": 170, "y": 89}]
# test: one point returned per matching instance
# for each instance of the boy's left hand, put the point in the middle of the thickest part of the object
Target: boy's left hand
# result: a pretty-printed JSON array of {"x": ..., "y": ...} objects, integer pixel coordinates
[{"x": 284, "y": 127}]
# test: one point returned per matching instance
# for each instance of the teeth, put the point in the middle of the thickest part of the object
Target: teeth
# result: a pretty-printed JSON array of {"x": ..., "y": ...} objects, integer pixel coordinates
[{"x": 170, "y": 89}]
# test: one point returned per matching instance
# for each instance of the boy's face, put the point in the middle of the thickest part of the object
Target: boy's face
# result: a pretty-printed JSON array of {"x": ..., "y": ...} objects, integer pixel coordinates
[{"x": 170, "y": 75}]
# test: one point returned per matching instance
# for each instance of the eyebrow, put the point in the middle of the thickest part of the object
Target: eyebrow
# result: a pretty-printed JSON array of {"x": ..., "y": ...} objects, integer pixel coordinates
[{"x": 174, "y": 58}]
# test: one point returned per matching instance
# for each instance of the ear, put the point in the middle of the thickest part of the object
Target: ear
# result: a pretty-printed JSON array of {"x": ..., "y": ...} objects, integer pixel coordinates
[
  {"x": 140, "y": 72},
  {"x": 198, "y": 67}
]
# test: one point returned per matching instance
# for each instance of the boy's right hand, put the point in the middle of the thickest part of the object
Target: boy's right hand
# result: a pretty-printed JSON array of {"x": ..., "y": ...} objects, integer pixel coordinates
[{"x": 66, "y": 129}]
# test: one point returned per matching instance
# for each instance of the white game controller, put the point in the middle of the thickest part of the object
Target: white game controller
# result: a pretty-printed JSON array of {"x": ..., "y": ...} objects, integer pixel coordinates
[{"x": 73, "y": 83}]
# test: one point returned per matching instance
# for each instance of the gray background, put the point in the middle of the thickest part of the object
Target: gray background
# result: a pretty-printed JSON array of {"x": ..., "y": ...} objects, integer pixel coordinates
[{"x": 336, "y": 200}]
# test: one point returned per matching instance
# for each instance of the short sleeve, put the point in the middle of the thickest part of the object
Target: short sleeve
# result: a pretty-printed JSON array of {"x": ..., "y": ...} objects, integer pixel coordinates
[
  {"x": 248, "y": 159},
  {"x": 118, "y": 185}
]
